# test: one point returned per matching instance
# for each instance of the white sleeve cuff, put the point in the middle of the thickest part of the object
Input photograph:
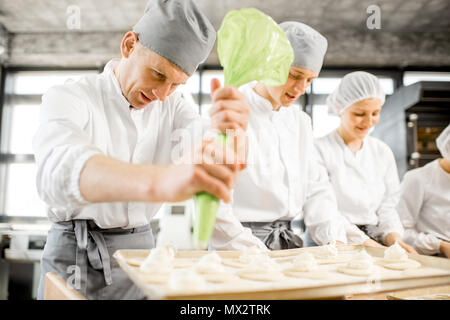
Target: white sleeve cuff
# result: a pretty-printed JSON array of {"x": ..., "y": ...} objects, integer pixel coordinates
[
  {"x": 427, "y": 244},
  {"x": 354, "y": 235},
  {"x": 74, "y": 187},
  {"x": 328, "y": 232},
  {"x": 244, "y": 240},
  {"x": 230, "y": 234}
]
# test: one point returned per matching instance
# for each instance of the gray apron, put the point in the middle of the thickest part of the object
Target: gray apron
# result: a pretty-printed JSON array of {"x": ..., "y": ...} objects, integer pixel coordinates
[
  {"x": 277, "y": 235},
  {"x": 81, "y": 253}
]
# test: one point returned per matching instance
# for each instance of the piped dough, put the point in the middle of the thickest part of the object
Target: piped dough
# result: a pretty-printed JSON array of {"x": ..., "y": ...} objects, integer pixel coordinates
[
  {"x": 360, "y": 265},
  {"x": 396, "y": 258}
]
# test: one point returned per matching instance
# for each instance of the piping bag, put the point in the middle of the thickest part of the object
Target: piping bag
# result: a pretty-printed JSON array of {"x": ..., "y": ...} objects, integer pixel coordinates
[{"x": 251, "y": 46}]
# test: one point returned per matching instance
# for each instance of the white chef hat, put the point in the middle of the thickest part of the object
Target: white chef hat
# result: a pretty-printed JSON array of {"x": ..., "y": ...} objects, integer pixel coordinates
[
  {"x": 309, "y": 45},
  {"x": 443, "y": 142},
  {"x": 354, "y": 87},
  {"x": 178, "y": 31}
]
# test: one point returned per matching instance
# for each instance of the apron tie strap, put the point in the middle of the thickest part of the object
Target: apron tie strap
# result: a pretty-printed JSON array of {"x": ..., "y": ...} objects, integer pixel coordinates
[
  {"x": 92, "y": 249},
  {"x": 81, "y": 236},
  {"x": 276, "y": 235},
  {"x": 99, "y": 256}
]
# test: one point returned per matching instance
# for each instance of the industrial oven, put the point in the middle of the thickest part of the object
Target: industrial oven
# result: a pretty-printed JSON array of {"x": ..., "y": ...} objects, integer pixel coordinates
[{"x": 411, "y": 120}]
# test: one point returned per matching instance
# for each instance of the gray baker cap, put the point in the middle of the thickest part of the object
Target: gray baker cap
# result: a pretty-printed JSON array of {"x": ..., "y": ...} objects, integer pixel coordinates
[
  {"x": 178, "y": 31},
  {"x": 309, "y": 45}
]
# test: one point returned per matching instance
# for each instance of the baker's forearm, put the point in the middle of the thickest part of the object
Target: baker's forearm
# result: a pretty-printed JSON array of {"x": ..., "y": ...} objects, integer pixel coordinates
[{"x": 104, "y": 179}]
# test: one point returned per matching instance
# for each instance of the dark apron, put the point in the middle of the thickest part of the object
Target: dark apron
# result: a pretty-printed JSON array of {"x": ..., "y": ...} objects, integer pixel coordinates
[
  {"x": 277, "y": 235},
  {"x": 368, "y": 229},
  {"x": 81, "y": 253}
]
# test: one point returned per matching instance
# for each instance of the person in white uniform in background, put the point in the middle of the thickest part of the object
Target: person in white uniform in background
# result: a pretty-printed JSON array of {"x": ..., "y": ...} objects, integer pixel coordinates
[
  {"x": 362, "y": 168},
  {"x": 424, "y": 206},
  {"x": 283, "y": 182},
  {"x": 104, "y": 149}
]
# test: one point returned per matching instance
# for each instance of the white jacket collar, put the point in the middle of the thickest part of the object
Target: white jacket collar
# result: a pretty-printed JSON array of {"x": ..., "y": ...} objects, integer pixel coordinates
[
  {"x": 258, "y": 103},
  {"x": 113, "y": 85}
]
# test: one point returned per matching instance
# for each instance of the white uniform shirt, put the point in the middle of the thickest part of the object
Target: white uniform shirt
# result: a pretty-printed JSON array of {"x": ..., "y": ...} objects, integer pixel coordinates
[
  {"x": 91, "y": 116},
  {"x": 282, "y": 181},
  {"x": 366, "y": 184},
  {"x": 424, "y": 207}
]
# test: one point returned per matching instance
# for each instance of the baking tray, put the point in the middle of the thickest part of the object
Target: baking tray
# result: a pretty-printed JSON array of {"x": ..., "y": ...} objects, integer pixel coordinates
[
  {"x": 434, "y": 271},
  {"x": 433, "y": 293}
]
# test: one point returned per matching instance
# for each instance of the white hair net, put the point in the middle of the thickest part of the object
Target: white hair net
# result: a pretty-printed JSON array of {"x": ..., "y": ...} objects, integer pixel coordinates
[
  {"x": 354, "y": 87},
  {"x": 443, "y": 142},
  {"x": 309, "y": 45}
]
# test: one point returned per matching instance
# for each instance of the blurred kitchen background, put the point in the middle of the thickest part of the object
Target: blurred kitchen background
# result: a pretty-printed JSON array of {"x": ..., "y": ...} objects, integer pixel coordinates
[{"x": 45, "y": 42}]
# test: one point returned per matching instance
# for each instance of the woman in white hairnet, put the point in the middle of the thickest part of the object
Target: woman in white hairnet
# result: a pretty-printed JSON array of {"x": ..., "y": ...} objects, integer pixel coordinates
[
  {"x": 424, "y": 206},
  {"x": 283, "y": 181},
  {"x": 362, "y": 168}
]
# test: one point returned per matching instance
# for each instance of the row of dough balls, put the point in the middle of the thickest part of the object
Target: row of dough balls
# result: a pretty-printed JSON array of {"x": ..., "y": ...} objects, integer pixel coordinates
[{"x": 254, "y": 264}]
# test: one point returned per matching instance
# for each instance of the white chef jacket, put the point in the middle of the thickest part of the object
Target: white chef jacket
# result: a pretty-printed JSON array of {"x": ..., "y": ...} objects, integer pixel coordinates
[
  {"x": 424, "y": 207},
  {"x": 91, "y": 116},
  {"x": 366, "y": 184},
  {"x": 282, "y": 180}
]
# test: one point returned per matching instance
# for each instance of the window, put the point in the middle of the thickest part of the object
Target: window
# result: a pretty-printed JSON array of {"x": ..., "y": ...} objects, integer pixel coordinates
[
  {"x": 388, "y": 85},
  {"x": 323, "y": 121},
  {"x": 20, "y": 113},
  {"x": 207, "y": 76},
  {"x": 328, "y": 85},
  {"x": 37, "y": 82},
  {"x": 20, "y": 116},
  {"x": 21, "y": 198},
  {"x": 411, "y": 77},
  {"x": 197, "y": 90},
  {"x": 325, "y": 85},
  {"x": 191, "y": 89},
  {"x": 23, "y": 123}
]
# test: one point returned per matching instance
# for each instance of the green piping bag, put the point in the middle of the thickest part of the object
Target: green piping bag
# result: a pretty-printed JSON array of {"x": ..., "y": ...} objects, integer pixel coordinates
[{"x": 251, "y": 46}]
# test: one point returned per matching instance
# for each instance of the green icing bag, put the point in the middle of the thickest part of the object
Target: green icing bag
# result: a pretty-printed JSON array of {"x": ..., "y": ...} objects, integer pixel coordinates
[
  {"x": 251, "y": 46},
  {"x": 206, "y": 206}
]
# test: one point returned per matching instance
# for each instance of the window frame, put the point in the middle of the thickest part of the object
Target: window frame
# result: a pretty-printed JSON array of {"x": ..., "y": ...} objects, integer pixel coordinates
[
  {"x": 8, "y": 98},
  {"x": 306, "y": 103}
]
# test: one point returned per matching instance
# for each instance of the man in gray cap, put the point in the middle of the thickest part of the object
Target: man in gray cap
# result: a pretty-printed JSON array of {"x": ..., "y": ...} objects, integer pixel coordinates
[
  {"x": 283, "y": 181},
  {"x": 104, "y": 149}
]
